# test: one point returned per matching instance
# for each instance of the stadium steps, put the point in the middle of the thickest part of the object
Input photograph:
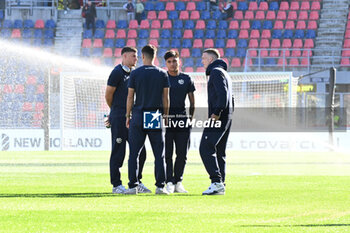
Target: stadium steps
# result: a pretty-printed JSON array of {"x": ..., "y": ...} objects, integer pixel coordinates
[
  {"x": 69, "y": 31},
  {"x": 330, "y": 34}
]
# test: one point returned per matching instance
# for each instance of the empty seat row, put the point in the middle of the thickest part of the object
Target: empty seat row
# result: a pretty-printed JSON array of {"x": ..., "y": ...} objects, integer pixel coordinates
[
  {"x": 179, "y": 6},
  {"x": 27, "y": 33},
  {"x": 28, "y": 24}
]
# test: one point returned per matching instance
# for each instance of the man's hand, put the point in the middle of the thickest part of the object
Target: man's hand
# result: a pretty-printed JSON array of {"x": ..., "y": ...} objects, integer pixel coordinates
[
  {"x": 127, "y": 123},
  {"x": 214, "y": 117},
  {"x": 107, "y": 122}
]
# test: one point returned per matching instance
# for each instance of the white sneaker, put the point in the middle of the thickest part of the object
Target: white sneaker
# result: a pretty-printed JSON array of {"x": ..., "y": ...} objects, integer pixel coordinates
[
  {"x": 141, "y": 188},
  {"x": 170, "y": 187},
  {"x": 119, "y": 189},
  {"x": 215, "y": 189},
  {"x": 132, "y": 191},
  {"x": 179, "y": 188},
  {"x": 161, "y": 191}
]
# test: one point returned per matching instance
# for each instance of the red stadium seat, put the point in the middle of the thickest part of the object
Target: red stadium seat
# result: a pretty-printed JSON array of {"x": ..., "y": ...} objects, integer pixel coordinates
[
  {"x": 278, "y": 25},
  {"x": 307, "y": 53},
  {"x": 303, "y": 15},
  {"x": 245, "y": 24},
  {"x": 31, "y": 80},
  {"x": 153, "y": 42},
  {"x": 86, "y": 43},
  {"x": 19, "y": 88},
  {"x": 305, "y": 61},
  {"x": 155, "y": 24},
  {"x": 107, "y": 52},
  {"x": 253, "y": 43},
  {"x": 345, "y": 61},
  {"x": 118, "y": 52},
  {"x": 298, "y": 43},
  {"x": 132, "y": 33},
  {"x": 188, "y": 69},
  {"x": 249, "y": 15},
  {"x": 260, "y": 15},
  {"x": 208, "y": 43},
  {"x": 275, "y": 43},
  {"x": 253, "y": 6},
  {"x": 109, "y": 34},
  {"x": 185, "y": 52},
  {"x": 281, "y": 15},
  {"x": 191, "y": 6},
  {"x": 271, "y": 15},
  {"x": 170, "y": 6},
  {"x": 154, "y": 34},
  {"x": 296, "y": 53},
  {"x": 188, "y": 34},
  {"x": 131, "y": 43},
  {"x": 97, "y": 43},
  {"x": 315, "y": 6},
  {"x": 282, "y": 62},
  {"x": 309, "y": 44},
  {"x": 16, "y": 33},
  {"x": 285, "y": 53},
  {"x": 347, "y": 34},
  {"x": 312, "y": 25},
  {"x": 234, "y": 24},
  {"x": 118, "y": 61},
  {"x": 110, "y": 24},
  {"x": 195, "y": 15},
  {"x": 162, "y": 15},
  {"x": 252, "y": 53},
  {"x": 274, "y": 53},
  {"x": 238, "y": 15},
  {"x": 200, "y": 69},
  {"x": 266, "y": 34},
  {"x": 286, "y": 43},
  {"x": 264, "y": 43},
  {"x": 234, "y": 5},
  {"x": 305, "y": 6},
  {"x": 167, "y": 24},
  {"x": 301, "y": 25},
  {"x": 200, "y": 24},
  {"x": 39, "y": 106},
  {"x": 243, "y": 34},
  {"x": 294, "y": 6},
  {"x": 263, "y": 53},
  {"x": 284, "y": 6},
  {"x": 27, "y": 107},
  {"x": 314, "y": 15},
  {"x": 197, "y": 43},
  {"x": 144, "y": 24},
  {"x": 121, "y": 34},
  {"x": 151, "y": 15},
  {"x": 263, "y": 6},
  {"x": 292, "y": 15},
  {"x": 39, "y": 23},
  {"x": 221, "y": 52},
  {"x": 254, "y": 34},
  {"x": 290, "y": 25},
  {"x": 236, "y": 62},
  {"x": 231, "y": 43},
  {"x": 133, "y": 24},
  {"x": 40, "y": 89},
  {"x": 293, "y": 62},
  {"x": 7, "y": 88},
  {"x": 184, "y": 15}
]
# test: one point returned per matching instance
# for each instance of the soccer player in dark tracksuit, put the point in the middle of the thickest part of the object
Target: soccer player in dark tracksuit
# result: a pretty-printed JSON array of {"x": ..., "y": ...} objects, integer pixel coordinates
[
  {"x": 181, "y": 86},
  {"x": 116, "y": 94},
  {"x": 150, "y": 84},
  {"x": 220, "y": 107}
]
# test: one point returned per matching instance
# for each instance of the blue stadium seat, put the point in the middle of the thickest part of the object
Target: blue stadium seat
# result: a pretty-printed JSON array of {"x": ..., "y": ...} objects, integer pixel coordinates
[
  {"x": 165, "y": 34},
  {"x": 288, "y": 34},
  {"x": 241, "y": 52},
  {"x": 122, "y": 24},
  {"x": 50, "y": 24},
  {"x": 164, "y": 43},
  {"x": 173, "y": 15},
  {"x": 162, "y": 51},
  {"x": 87, "y": 34},
  {"x": 177, "y": 34},
  {"x": 201, "y": 6},
  {"x": 198, "y": 34},
  {"x": 211, "y": 24},
  {"x": 180, "y": 6},
  {"x": 242, "y": 43},
  {"x": 205, "y": 15},
  {"x": 175, "y": 43},
  {"x": 1, "y": 14},
  {"x": 18, "y": 23},
  {"x": 37, "y": 42},
  {"x": 39, "y": 97},
  {"x": 267, "y": 25},
  {"x": 48, "y": 34},
  {"x": 199, "y": 62},
  {"x": 99, "y": 34},
  {"x": 5, "y": 33},
  {"x": 159, "y": 6},
  {"x": 7, "y": 23},
  {"x": 178, "y": 24},
  {"x": 196, "y": 52},
  {"x": 242, "y": 6},
  {"x": 276, "y": 34},
  {"x": 100, "y": 23},
  {"x": 120, "y": 43},
  {"x": 28, "y": 23},
  {"x": 221, "y": 34},
  {"x": 216, "y": 15},
  {"x": 186, "y": 43},
  {"x": 232, "y": 34},
  {"x": 273, "y": 6},
  {"x": 30, "y": 90},
  {"x": 223, "y": 24},
  {"x": 188, "y": 62},
  {"x": 149, "y": 6},
  {"x": 108, "y": 43},
  {"x": 48, "y": 42},
  {"x": 97, "y": 52},
  {"x": 230, "y": 52},
  {"x": 144, "y": 33},
  {"x": 258, "y": 61},
  {"x": 141, "y": 43},
  {"x": 27, "y": 41},
  {"x": 256, "y": 24},
  {"x": 310, "y": 34},
  {"x": 189, "y": 24},
  {"x": 299, "y": 34},
  {"x": 27, "y": 33},
  {"x": 270, "y": 62},
  {"x": 109, "y": 61},
  {"x": 220, "y": 43},
  {"x": 210, "y": 34},
  {"x": 85, "y": 52}
]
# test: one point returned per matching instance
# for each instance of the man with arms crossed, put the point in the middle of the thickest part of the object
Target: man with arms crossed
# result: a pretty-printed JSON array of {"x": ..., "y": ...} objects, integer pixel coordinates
[
  {"x": 220, "y": 107},
  {"x": 181, "y": 86},
  {"x": 150, "y": 85},
  {"x": 116, "y": 94}
]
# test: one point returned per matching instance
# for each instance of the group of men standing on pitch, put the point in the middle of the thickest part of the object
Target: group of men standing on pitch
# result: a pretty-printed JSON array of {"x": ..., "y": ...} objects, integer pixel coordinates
[{"x": 130, "y": 93}]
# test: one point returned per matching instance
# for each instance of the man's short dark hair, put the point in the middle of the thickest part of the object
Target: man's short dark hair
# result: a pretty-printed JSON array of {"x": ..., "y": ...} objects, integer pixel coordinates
[
  {"x": 171, "y": 53},
  {"x": 149, "y": 51},
  {"x": 213, "y": 52},
  {"x": 128, "y": 49}
]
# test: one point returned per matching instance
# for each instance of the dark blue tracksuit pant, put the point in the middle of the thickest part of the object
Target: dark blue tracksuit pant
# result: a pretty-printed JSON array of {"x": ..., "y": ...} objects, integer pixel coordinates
[
  {"x": 213, "y": 150},
  {"x": 181, "y": 139},
  {"x": 137, "y": 137},
  {"x": 119, "y": 138}
]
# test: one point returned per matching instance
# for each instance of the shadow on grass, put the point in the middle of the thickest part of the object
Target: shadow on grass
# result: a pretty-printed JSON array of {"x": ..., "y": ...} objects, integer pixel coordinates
[
  {"x": 81, "y": 195},
  {"x": 300, "y": 225}
]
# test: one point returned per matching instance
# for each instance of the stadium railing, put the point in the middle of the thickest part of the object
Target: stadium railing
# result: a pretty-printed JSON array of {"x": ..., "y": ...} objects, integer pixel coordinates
[{"x": 30, "y": 5}]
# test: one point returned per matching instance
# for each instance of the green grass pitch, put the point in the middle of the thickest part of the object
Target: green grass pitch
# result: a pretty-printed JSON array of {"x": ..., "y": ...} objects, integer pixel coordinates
[{"x": 266, "y": 192}]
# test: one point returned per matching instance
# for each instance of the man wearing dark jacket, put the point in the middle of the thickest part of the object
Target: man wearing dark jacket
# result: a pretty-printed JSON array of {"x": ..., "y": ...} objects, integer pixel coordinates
[
  {"x": 89, "y": 11},
  {"x": 220, "y": 107}
]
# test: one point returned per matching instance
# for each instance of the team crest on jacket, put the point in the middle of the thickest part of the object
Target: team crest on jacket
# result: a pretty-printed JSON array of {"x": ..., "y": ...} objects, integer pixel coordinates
[{"x": 181, "y": 81}]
